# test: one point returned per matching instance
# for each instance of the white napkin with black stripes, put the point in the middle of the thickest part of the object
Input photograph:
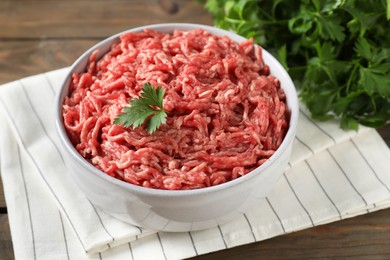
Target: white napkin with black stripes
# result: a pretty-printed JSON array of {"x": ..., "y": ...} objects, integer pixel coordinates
[{"x": 332, "y": 175}]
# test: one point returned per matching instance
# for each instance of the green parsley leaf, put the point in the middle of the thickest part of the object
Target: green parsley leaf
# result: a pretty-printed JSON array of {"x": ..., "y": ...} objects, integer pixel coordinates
[
  {"x": 148, "y": 107},
  {"x": 330, "y": 27},
  {"x": 375, "y": 80},
  {"x": 362, "y": 48}
]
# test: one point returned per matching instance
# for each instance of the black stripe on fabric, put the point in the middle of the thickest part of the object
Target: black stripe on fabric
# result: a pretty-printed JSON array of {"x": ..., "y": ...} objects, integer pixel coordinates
[
  {"x": 140, "y": 229},
  {"x": 299, "y": 201},
  {"x": 41, "y": 174},
  {"x": 100, "y": 256},
  {"x": 49, "y": 83},
  {"x": 101, "y": 222},
  {"x": 322, "y": 188},
  {"x": 320, "y": 128},
  {"x": 161, "y": 245},
  {"x": 193, "y": 243},
  {"x": 64, "y": 233},
  {"x": 250, "y": 227},
  {"x": 40, "y": 121},
  {"x": 370, "y": 166},
  {"x": 223, "y": 238},
  {"x": 131, "y": 251},
  {"x": 346, "y": 176},
  {"x": 304, "y": 144},
  {"x": 27, "y": 200},
  {"x": 276, "y": 214}
]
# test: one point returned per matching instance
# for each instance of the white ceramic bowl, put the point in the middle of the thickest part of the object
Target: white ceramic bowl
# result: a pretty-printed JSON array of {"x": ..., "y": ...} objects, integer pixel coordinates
[{"x": 178, "y": 210}]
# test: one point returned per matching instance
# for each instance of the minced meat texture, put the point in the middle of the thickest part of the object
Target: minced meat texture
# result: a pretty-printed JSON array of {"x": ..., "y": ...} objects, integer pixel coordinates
[{"x": 226, "y": 112}]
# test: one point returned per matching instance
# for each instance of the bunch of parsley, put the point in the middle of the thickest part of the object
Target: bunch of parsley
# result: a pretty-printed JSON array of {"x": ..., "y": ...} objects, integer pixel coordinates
[{"x": 336, "y": 51}]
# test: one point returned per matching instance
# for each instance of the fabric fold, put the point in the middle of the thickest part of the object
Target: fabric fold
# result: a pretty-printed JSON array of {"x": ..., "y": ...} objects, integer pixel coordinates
[{"x": 332, "y": 175}]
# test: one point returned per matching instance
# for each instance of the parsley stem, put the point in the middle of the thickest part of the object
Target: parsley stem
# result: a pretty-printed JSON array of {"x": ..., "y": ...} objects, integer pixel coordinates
[{"x": 352, "y": 75}]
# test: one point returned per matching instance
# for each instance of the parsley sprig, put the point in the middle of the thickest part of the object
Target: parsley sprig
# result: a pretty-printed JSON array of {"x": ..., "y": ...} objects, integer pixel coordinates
[
  {"x": 147, "y": 107},
  {"x": 336, "y": 51}
]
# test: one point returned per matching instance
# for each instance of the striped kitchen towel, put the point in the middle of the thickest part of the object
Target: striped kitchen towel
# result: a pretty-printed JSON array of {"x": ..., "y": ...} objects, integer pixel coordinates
[{"x": 332, "y": 175}]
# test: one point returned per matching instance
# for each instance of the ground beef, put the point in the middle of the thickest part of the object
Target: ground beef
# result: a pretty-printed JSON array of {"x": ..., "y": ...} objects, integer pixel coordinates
[{"x": 226, "y": 112}]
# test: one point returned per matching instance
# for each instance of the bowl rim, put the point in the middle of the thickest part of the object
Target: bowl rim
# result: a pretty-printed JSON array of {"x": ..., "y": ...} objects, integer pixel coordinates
[{"x": 66, "y": 144}]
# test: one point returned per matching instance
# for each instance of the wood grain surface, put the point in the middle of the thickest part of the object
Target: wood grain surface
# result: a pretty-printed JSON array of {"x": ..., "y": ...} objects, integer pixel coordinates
[{"x": 42, "y": 35}]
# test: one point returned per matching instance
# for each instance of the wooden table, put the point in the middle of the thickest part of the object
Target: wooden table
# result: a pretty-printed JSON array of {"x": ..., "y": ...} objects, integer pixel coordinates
[{"x": 42, "y": 35}]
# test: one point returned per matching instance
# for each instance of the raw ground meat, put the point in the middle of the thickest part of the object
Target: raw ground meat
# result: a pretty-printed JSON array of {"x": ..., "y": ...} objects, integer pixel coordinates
[{"x": 226, "y": 113}]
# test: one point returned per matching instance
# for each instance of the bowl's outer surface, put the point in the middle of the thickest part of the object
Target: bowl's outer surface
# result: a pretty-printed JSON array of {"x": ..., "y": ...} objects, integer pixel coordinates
[{"x": 177, "y": 210}]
